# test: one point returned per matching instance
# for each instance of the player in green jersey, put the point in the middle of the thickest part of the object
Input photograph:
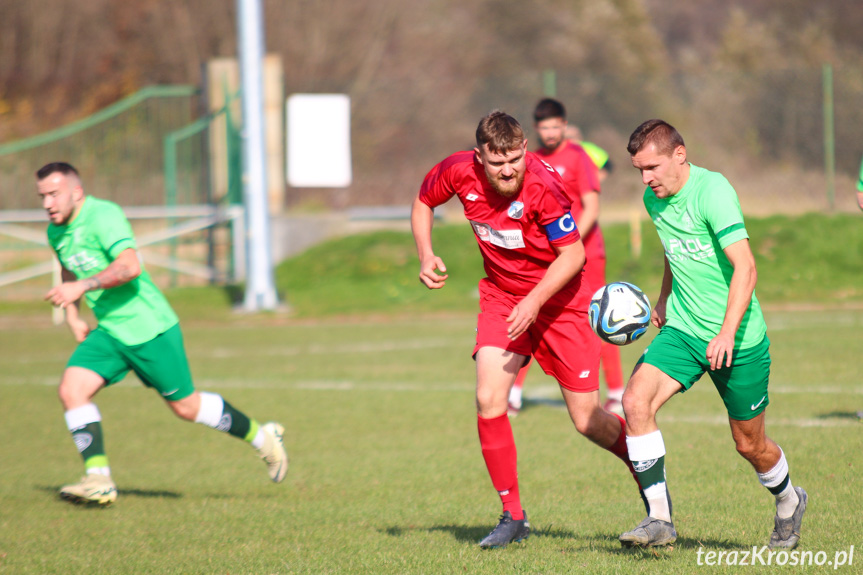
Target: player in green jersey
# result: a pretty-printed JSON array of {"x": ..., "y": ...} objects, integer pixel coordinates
[
  {"x": 860, "y": 187},
  {"x": 710, "y": 322},
  {"x": 137, "y": 331}
]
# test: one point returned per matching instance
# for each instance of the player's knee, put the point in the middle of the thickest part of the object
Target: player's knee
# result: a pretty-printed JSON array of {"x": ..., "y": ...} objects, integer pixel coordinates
[
  {"x": 634, "y": 407},
  {"x": 590, "y": 423},
  {"x": 583, "y": 425},
  {"x": 71, "y": 395},
  {"x": 488, "y": 404},
  {"x": 749, "y": 448},
  {"x": 66, "y": 396},
  {"x": 183, "y": 410}
]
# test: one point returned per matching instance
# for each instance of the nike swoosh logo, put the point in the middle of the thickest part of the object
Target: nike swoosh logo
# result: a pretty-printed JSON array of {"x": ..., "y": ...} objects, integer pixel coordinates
[
  {"x": 754, "y": 407},
  {"x": 167, "y": 393}
]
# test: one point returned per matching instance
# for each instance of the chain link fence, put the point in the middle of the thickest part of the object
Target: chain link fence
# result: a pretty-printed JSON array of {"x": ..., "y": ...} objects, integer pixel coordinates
[{"x": 150, "y": 153}]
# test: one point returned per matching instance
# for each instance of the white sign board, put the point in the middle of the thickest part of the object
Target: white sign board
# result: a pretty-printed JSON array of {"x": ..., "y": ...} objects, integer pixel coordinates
[{"x": 319, "y": 140}]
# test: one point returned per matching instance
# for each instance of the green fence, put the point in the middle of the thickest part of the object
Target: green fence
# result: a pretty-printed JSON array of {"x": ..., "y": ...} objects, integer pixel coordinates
[
  {"x": 150, "y": 153},
  {"x": 118, "y": 150}
]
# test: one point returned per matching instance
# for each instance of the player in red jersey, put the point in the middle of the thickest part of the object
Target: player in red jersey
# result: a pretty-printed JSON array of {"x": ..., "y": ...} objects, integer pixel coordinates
[
  {"x": 581, "y": 180},
  {"x": 532, "y": 302}
]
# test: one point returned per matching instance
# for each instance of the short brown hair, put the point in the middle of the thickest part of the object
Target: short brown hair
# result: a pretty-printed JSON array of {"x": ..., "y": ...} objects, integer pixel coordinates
[
  {"x": 548, "y": 108},
  {"x": 658, "y": 132},
  {"x": 500, "y": 131},
  {"x": 56, "y": 167}
]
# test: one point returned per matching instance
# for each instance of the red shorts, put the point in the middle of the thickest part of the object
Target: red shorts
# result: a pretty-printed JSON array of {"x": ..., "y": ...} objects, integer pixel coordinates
[{"x": 561, "y": 339}]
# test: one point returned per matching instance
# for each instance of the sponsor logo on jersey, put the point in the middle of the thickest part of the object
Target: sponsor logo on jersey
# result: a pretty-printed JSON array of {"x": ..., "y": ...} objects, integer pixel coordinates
[
  {"x": 677, "y": 249},
  {"x": 471, "y": 197},
  {"x": 508, "y": 239},
  {"x": 641, "y": 466},
  {"x": 81, "y": 261},
  {"x": 516, "y": 210},
  {"x": 584, "y": 374}
]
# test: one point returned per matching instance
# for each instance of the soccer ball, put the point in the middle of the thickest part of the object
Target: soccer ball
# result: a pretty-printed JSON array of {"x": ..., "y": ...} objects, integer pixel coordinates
[{"x": 619, "y": 313}]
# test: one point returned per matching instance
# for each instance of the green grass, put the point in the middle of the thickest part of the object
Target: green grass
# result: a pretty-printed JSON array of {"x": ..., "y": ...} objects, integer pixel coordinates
[
  {"x": 372, "y": 378},
  {"x": 386, "y": 473}
]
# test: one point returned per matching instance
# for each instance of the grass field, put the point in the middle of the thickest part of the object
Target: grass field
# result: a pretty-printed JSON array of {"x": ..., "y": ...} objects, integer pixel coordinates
[{"x": 386, "y": 474}]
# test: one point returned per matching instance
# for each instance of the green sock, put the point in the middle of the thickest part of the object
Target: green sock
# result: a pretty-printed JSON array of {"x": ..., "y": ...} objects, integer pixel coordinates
[
  {"x": 647, "y": 453},
  {"x": 88, "y": 440},
  {"x": 240, "y": 424},
  {"x": 217, "y": 413},
  {"x": 653, "y": 474}
]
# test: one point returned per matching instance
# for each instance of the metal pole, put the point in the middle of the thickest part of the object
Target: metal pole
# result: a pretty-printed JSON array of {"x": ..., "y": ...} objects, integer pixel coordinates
[
  {"x": 260, "y": 286},
  {"x": 829, "y": 135}
]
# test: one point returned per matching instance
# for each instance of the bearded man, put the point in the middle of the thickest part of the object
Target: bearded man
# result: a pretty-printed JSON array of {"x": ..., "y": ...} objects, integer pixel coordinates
[{"x": 533, "y": 301}]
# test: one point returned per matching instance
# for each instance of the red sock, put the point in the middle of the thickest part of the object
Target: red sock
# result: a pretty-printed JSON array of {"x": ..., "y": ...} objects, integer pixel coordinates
[
  {"x": 620, "y": 450},
  {"x": 522, "y": 374},
  {"x": 609, "y": 355},
  {"x": 498, "y": 450}
]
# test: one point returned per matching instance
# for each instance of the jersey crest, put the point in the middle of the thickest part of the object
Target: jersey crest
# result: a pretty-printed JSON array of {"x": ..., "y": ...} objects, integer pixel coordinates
[{"x": 516, "y": 210}]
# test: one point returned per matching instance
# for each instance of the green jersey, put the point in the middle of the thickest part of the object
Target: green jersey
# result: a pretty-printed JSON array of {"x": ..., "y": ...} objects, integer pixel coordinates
[
  {"x": 134, "y": 312},
  {"x": 860, "y": 179},
  {"x": 695, "y": 225}
]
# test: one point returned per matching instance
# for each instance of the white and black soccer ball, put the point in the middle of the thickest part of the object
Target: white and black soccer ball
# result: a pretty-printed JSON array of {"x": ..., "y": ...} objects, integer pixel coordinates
[{"x": 619, "y": 313}]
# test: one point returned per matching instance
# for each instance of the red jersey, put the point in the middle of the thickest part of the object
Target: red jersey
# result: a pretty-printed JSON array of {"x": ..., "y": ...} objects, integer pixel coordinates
[
  {"x": 580, "y": 175},
  {"x": 515, "y": 235}
]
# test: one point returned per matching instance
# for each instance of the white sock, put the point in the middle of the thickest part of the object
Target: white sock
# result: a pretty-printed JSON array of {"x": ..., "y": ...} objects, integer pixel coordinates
[
  {"x": 644, "y": 451},
  {"x": 515, "y": 395},
  {"x": 657, "y": 500},
  {"x": 211, "y": 410},
  {"x": 615, "y": 394},
  {"x": 777, "y": 477},
  {"x": 260, "y": 437},
  {"x": 81, "y": 416}
]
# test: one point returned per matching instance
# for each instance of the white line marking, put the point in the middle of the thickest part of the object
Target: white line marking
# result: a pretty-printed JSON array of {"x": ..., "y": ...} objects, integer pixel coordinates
[{"x": 316, "y": 349}]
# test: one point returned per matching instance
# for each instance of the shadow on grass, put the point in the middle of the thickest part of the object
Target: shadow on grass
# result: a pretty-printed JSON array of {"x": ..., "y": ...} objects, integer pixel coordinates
[
  {"x": 687, "y": 543},
  {"x": 531, "y": 402},
  {"x": 855, "y": 415},
  {"x": 473, "y": 534},
  {"x": 149, "y": 493},
  {"x": 126, "y": 492}
]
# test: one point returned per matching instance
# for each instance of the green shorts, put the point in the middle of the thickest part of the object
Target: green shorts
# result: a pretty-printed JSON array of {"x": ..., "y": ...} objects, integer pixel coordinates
[
  {"x": 742, "y": 386},
  {"x": 159, "y": 363}
]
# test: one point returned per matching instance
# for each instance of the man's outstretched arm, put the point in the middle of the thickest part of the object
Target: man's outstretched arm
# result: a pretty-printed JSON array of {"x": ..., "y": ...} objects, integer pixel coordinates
[{"x": 121, "y": 271}]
